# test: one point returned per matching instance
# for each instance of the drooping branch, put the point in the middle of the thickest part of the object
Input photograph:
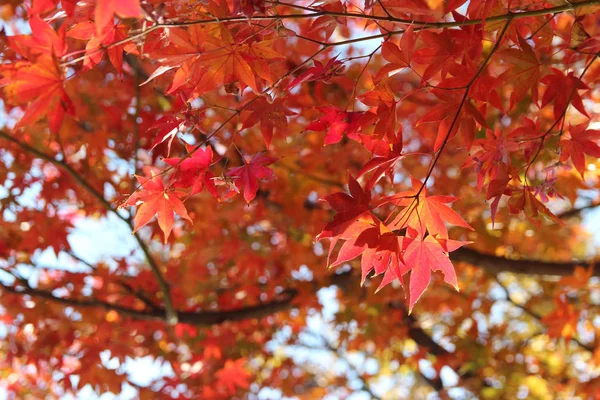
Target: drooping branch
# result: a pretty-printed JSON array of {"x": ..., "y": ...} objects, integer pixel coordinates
[
  {"x": 170, "y": 312},
  {"x": 200, "y": 318}
]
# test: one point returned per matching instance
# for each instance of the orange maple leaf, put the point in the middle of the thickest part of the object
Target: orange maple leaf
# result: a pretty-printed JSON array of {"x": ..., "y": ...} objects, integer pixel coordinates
[
  {"x": 41, "y": 85},
  {"x": 233, "y": 376},
  {"x": 154, "y": 199},
  {"x": 106, "y": 9},
  {"x": 429, "y": 213},
  {"x": 563, "y": 321}
]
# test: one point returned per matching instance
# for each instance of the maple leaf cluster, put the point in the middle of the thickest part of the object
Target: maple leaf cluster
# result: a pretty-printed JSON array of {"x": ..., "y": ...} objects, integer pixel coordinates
[{"x": 421, "y": 140}]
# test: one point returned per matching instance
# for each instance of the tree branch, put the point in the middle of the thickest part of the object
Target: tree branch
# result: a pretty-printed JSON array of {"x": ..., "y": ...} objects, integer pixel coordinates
[
  {"x": 535, "y": 315},
  {"x": 170, "y": 312},
  {"x": 576, "y": 211},
  {"x": 200, "y": 318},
  {"x": 495, "y": 264},
  {"x": 341, "y": 355},
  {"x": 420, "y": 25}
]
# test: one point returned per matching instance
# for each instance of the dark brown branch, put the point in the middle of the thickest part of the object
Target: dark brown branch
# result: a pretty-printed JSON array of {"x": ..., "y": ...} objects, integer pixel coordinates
[
  {"x": 65, "y": 167},
  {"x": 164, "y": 287},
  {"x": 576, "y": 211},
  {"x": 420, "y": 25},
  {"x": 495, "y": 264},
  {"x": 200, "y": 318}
]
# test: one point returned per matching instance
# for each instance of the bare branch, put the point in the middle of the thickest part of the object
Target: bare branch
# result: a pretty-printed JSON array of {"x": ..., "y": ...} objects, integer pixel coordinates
[
  {"x": 576, "y": 211},
  {"x": 169, "y": 309},
  {"x": 495, "y": 264}
]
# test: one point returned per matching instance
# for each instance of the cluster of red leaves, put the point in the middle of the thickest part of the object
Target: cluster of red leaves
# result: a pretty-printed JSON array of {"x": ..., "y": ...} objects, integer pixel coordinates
[
  {"x": 423, "y": 248},
  {"x": 457, "y": 97},
  {"x": 199, "y": 58}
]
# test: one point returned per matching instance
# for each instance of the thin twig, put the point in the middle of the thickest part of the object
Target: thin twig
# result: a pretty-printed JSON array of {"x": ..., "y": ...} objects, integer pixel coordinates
[{"x": 419, "y": 25}]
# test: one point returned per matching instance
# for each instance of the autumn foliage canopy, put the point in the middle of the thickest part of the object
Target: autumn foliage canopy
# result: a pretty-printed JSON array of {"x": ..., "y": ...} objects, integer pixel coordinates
[{"x": 399, "y": 186}]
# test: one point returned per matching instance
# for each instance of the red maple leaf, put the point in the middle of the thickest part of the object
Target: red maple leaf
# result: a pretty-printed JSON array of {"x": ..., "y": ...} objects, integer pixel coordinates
[
  {"x": 429, "y": 213},
  {"x": 167, "y": 128},
  {"x": 425, "y": 255},
  {"x": 320, "y": 72},
  {"x": 154, "y": 199},
  {"x": 233, "y": 376},
  {"x": 106, "y": 9},
  {"x": 578, "y": 142},
  {"x": 43, "y": 40},
  {"x": 271, "y": 115},
  {"x": 110, "y": 34},
  {"x": 337, "y": 123},
  {"x": 353, "y": 215},
  {"x": 249, "y": 7},
  {"x": 398, "y": 57},
  {"x": 41, "y": 84},
  {"x": 382, "y": 165},
  {"x": 523, "y": 73},
  {"x": 192, "y": 172},
  {"x": 527, "y": 202},
  {"x": 563, "y": 90},
  {"x": 446, "y": 114},
  {"x": 247, "y": 176}
]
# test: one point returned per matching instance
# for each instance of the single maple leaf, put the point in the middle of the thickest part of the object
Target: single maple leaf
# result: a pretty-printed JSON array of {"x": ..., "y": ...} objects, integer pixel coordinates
[
  {"x": 445, "y": 114},
  {"x": 44, "y": 40},
  {"x": 382, "y": 166},
  {"x": 384, "y": 258},
  {"x": 563, "y": 89},
  {"x": 320, "y": 72},
  {"x": 443, "y": 50},
  {"x": 423, "y": 256},
  {"x": 580, "y": 278},
  {"x": 154, "y": 199},
  {"x": 247, "y": 176},
  {"x": 271, "y": 115},
  {"x": 249, "y": 7},
  {"x": 167, "y": 128},
  {"x": 523, "y": 73},
  {"x": 351, "y": 209},
  {"x": 192, "y": 172},
  {"x": 41, "y": 84},
  {"x": 563, "y": 321},
  {"x": 226, "y": 60},
  {"x": 337, "y": 123},
  {"x": 578, "y": 142},
  {"x": 95, "y": 42},
  {"x": 233, "y": 376},
  {"x": 106, "y": 9},
  {"x": 526, "y": 201},
  {"x": 398, "y": 57},
  {"x": 381, "y": 93},
  {"x": 426, "y": 213}
]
